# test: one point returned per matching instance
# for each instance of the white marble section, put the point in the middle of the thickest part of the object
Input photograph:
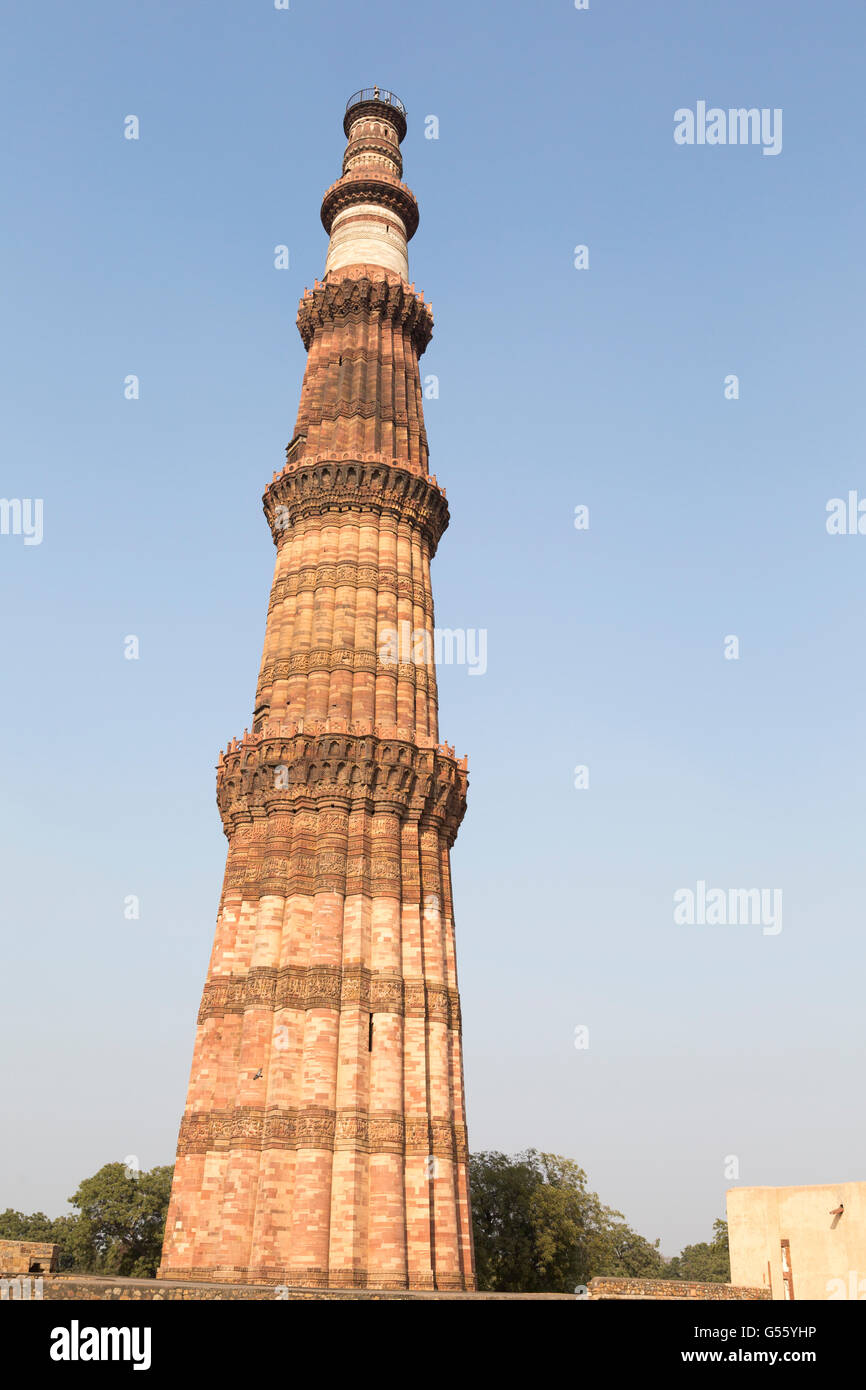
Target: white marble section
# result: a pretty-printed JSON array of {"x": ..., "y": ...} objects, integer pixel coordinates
[{"x": 368, "y": 234}]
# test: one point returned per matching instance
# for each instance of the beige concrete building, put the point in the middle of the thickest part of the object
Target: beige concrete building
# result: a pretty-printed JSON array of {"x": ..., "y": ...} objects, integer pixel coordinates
[{"x": 800, "y": 1242}]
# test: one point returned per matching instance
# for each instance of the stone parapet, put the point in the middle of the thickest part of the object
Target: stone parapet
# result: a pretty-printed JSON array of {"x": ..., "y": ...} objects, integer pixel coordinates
[
  {"x": 349, "y": 484},
  {"x": 604, "y": 1287},
  {"x": 82, "y": 1288},
  {"x": 264, "y": 775}
]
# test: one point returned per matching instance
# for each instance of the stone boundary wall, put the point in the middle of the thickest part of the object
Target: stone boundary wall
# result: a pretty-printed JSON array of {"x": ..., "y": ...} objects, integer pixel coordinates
[
  {"x": 90, "y": 1288},
  {"x": 670, "y": 1289},
  {"x": 75, "y": 1288}
]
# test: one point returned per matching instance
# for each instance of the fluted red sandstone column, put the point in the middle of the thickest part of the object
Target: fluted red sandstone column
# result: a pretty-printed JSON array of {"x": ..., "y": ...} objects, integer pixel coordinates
[{"x": 324, "y": 1136}]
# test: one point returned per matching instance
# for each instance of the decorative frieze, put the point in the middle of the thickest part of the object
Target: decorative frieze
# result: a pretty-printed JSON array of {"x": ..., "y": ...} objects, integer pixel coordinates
[
  {"x": 310, "y": 1127},
  {"x": 350, "y": 574},
  {"x": 330, "y": 987},
  {"x": 342, "y": 658}
]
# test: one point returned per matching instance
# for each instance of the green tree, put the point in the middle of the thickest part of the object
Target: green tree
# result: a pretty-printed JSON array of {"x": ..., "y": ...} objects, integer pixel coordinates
[
  {"x": 501, "y": 1189},
  {"x": 538, "y": 1227},
  {"x": 117, "y": 1229},
  {"x": 708, "y": 1262},
  {"x": 630, "y": 1256},
  {"x": 121, "y": 1221},
  {"x": 16, "y": 1225}
]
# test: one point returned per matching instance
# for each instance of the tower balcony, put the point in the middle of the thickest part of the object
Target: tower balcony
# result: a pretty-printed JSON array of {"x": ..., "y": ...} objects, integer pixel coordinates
[{"x": 389, "y": 106}]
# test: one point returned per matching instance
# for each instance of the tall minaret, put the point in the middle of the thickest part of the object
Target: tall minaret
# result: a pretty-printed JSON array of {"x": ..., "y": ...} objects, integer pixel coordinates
[{"x": 324, "y": 1137}]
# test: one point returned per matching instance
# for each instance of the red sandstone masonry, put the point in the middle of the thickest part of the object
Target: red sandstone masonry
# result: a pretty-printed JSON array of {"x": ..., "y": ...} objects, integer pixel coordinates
[{"x": 323, "y": 1144}]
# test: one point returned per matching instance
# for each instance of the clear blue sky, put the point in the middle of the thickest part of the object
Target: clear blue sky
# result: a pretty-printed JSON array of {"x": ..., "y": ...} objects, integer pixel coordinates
[{"x": 557, "y": 387}]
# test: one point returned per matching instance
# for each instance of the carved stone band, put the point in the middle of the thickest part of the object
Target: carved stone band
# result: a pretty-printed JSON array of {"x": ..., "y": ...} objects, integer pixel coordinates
[
  {"x": 248, "y": 1127},
  {"x": 329, "y": 987},
  {"x": 353, "y": 575}
]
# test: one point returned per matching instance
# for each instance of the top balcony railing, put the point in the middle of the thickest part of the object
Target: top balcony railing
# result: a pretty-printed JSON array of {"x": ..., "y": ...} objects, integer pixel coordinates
[{"x": 376, "y": 94}]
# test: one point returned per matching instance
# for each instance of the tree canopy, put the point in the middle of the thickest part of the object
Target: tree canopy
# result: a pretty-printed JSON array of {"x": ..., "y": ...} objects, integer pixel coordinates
[
  {"x": 538, "y": 1227},
  {"x": 709, "y": 1262},
  {"x": 118, "y": 1227}
]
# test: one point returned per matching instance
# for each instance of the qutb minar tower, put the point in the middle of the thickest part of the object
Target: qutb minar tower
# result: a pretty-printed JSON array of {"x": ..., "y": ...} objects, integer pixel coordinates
[{"x": 324, "y": 1138}]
